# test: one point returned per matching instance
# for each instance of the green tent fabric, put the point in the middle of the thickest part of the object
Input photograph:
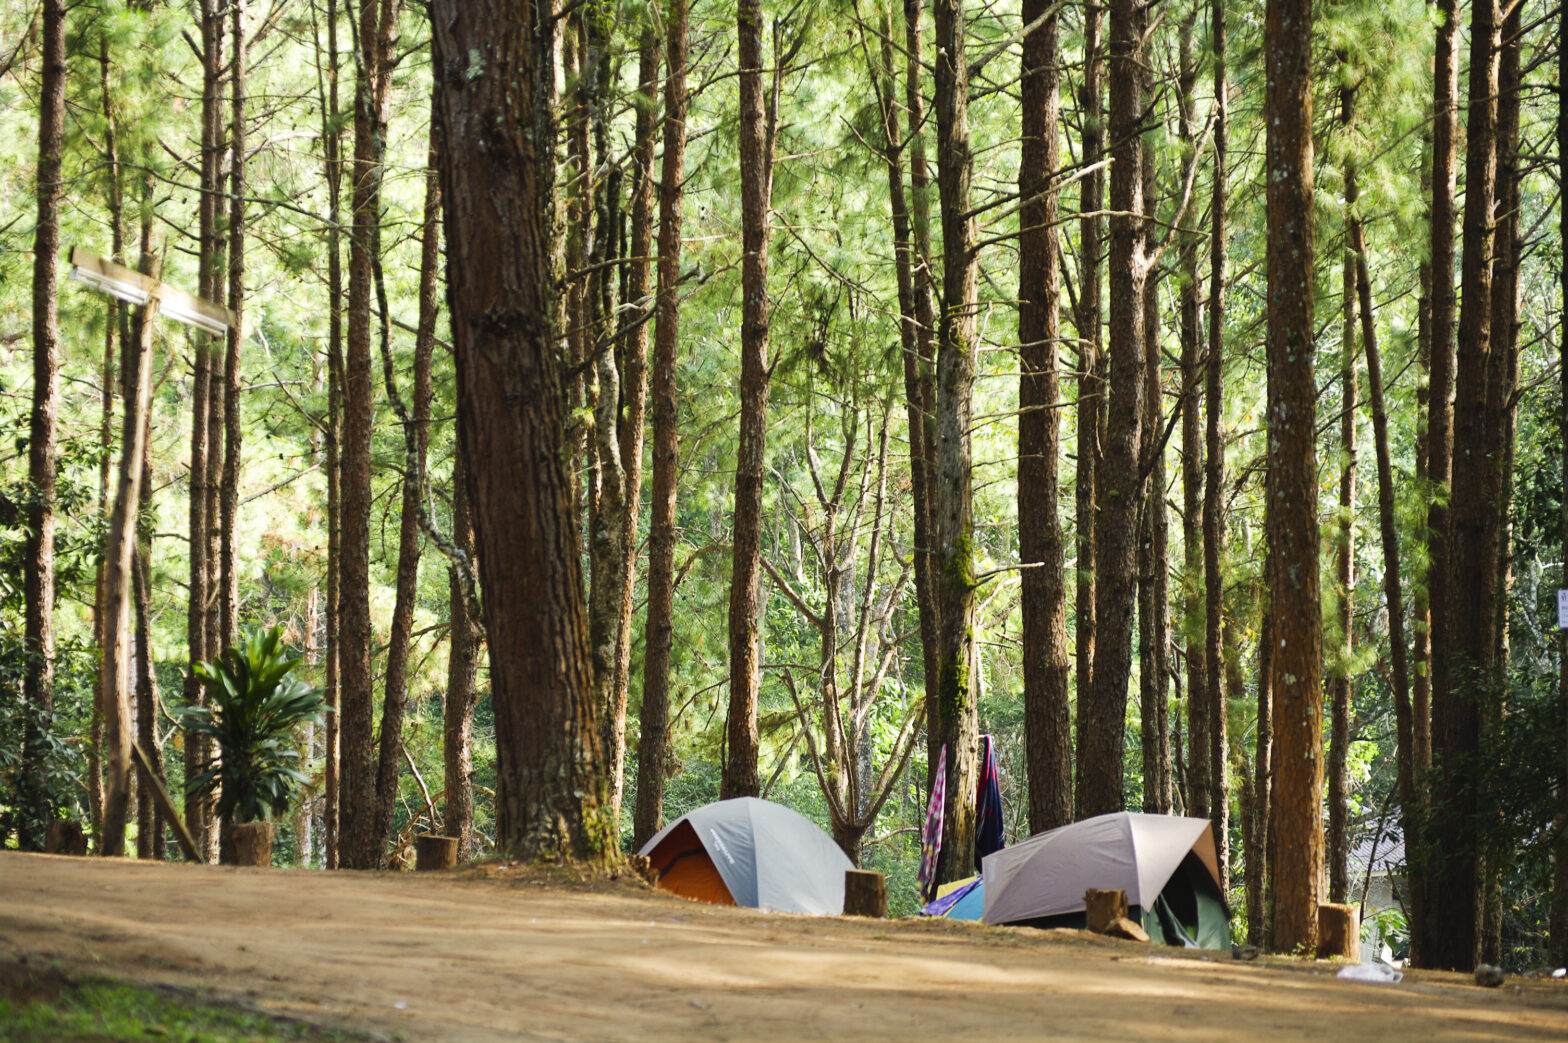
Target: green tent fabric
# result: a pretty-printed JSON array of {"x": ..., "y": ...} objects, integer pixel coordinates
[{"x": 1167, "y": 865}]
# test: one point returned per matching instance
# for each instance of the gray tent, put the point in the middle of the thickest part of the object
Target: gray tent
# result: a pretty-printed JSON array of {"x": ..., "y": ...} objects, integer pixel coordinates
[
  {"x": 751, "y": 852},
  {"x": 1167, "y": 866}
]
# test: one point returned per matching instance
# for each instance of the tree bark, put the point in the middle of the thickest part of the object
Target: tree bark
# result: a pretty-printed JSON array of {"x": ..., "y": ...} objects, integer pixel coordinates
[
  {"x": 952, "y": 497},
  {"x": 416, "y": 445},
  {"x": 1117, "y": 489},
  {"x": 361, "y": 844},
  {"x": 1047, "y": 731},
  {"x": 38, "y": 581},
  {"x": 497, "y": 91},
  {"x": 914, "y": 330},
  {"x": 1291, "y": 520},
  {"x": 1464, "y": 687},
  {"x": 457, "y": 815},
  {"x": 925, "y": 333},
  {"x": 150, "y": 839},
  {"x": 1258, "y": 872},
  {"x": 756, "y": 175},
  {"x": 653, "y": 742},
  {"x": 1154, "y": 620},
  {"x": 1214, "y": 460},
  {"x": 1558, "y": 934},
  {"x": 228, "y": 492},
  {"x": 1393, "y": 590},
  {"x": 619, "y": 432},
  {"x": 1202, "y": 710},
  {"x": 1337, "y": 841},
  {"x": 1092, "y": 363},
  {"x": 1431, "y": 646},
  {"x": 331, "y": 138},
  {"x": 119, "y": 555}
]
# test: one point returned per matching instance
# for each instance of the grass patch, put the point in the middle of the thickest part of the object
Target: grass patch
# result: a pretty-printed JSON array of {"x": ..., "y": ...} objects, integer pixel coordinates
[{"x": 39, "y": 1003}]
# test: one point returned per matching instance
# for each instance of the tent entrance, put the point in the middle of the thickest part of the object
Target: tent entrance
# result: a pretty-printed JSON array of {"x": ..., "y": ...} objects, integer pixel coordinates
[{"x": 684, "y": 867}]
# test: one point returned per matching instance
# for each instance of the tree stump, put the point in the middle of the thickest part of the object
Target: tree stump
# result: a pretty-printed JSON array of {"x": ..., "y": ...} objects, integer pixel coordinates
[
  {"x": 249, "y": 843},
  {"x": 865, "y": 894},
  {"x": 65, "y": 837},
  {"x": 1339, "y": 931},
  {"x": 1103, "y": 908},
  {"x": 434, "y": 852}
]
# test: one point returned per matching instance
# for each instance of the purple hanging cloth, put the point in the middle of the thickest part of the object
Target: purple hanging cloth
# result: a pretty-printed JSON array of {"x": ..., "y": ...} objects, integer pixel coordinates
[
  {"x": 931, "y": 835},
  {"x": 988, "y": 804}
]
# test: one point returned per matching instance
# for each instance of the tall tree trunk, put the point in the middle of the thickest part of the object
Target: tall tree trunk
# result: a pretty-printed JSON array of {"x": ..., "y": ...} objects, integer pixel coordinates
[
  {"x": 915, "y": 322},
  {"x": 1431, "y": 648},
  {"x": 116, "y": 325},
  {"x": 756, "y": 175},
  {"x": 1092, "y": 371},
  {"x": 150, "y": 837},
  {"x": 1154, "y": 620},
  {"x": 462, "y": 669},
  {"x": 1337, "y": 841},
  {"x": 331, "y": 138},
  {"x": 925, "y": 323},
  {"x": 361, "y": 844},
  {"x": 1258, "y": 904},
  {"x": 623, "y": 405},
  {"x": 1558, "y": 936},
  {"x": 1201, "y": 710},
  {"x": 228, "y": 494},
  {"x": 38, "y": 581},
  {"x": 1047, "y": 731},
  {"x": 653, "y": 740},
  {"x": 1464, "y": 687},
  {"x": 952, "y": 497},
  {"x": 1214, "y": 464},
  {"x": 1393, "y": 590},
  {"x": 1292, "y": 501},
  {"x": 1117, "y": 490},
  {"x": 416, "y": 443},
  {"x": 497, "y": 98},
  {"x": 119, "y": 555}
]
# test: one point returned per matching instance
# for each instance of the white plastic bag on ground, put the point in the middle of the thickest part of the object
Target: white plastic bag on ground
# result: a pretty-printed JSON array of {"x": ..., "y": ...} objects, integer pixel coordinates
[{"x": 1377, "y": 973}]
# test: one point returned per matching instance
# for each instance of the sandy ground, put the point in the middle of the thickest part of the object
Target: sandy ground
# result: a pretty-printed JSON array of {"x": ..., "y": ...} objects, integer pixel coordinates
[{"x": 497, "y": 954}]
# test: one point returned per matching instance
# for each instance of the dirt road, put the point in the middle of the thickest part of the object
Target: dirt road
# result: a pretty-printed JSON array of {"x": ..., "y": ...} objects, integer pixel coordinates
[{"x": 479, "y": 956}]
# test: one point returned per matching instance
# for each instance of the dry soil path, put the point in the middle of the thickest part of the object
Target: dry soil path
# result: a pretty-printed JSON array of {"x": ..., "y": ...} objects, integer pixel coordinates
[{"x": 481, "y": 956}]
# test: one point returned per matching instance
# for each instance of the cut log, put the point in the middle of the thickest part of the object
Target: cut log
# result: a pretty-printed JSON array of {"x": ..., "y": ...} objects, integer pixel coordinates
[
  {"x": 250, "y": 843},
  {"x": 1123, "y": 927},
  {"x": 65, "y": 837},
  {"x": 1339, "y": 931},
  {"x": 1103, "y": 908},
  {"x": 865, "y": 894},
  {"x": 434, "y": 852}
]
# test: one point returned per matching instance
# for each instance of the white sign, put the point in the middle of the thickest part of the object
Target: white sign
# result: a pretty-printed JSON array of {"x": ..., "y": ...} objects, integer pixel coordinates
[{"x": 1562, "y": 609}]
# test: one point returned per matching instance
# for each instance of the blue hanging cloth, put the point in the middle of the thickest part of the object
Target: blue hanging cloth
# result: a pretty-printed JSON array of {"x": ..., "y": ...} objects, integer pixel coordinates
[{"x": 988, "y": 805}]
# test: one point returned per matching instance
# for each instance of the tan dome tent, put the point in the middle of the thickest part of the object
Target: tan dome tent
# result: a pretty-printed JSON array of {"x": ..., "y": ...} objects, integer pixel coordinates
[
  {"x": 1167, "y": 866},
  {"x": 750, "y": 852}
]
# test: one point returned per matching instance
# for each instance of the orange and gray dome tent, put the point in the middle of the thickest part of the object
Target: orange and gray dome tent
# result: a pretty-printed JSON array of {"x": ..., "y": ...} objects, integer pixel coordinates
[{"x": 750, "y": 852}]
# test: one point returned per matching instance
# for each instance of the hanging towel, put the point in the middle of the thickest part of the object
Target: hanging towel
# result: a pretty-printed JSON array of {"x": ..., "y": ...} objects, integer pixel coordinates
[
  {"x": 988, "y": 804},
  {"x": 931, "y": 836}
]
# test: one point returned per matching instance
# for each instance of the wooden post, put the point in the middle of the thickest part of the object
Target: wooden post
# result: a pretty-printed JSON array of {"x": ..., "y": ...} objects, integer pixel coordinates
[
  {"x": 865, "y": 894},
  {"x": 251, "y": 842},
  {"x": 1103, "y": 908},
  {"x": 1339, "y": 932},
  {"x": 434, "y": 852}
]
